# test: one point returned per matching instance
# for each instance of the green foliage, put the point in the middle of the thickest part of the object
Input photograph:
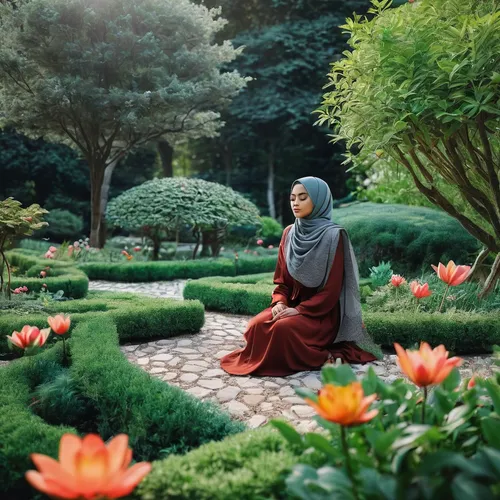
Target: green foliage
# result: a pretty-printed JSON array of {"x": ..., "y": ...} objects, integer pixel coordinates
[
  {"x": 271, "y": 231},
  {"x": 164, "y": 271},
  {"x": 412, "y": 238},
  {"x": 137, "y": 317},
  {"x": 247, "y": 466},
  {"x": 446, "y": 449},
  {"x": 62, "y": 225},
  {"x": 159, "y": 419},
  {"x": 460, "y": 331},
  {"x": 433, "y": 108},
  {"x": 381, "y": 274}
]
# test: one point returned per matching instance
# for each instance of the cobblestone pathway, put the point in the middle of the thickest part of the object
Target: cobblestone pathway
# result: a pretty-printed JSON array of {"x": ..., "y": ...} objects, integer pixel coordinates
[{"x": 192, "y": 363}]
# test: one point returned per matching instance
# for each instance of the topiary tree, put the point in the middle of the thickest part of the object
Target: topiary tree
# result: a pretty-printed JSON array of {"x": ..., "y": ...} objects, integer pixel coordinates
[
  {"x": 110, "y": 76},
  {"x": 15, "y": 222},
  {"x": 422, "y": 85},
  {"x": 62, "y": 225},
  {"x": 159, "y": 208}
]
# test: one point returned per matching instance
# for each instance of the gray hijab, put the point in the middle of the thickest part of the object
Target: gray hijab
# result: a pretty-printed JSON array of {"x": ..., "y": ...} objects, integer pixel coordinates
[{"x": 310, "y": 249}]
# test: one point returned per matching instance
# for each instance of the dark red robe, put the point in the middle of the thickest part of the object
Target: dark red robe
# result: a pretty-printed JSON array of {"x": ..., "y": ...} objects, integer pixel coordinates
[{"x": 297, "y": 343}]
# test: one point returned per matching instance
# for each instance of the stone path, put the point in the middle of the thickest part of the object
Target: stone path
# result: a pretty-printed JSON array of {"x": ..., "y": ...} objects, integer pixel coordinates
[{"x": 192, "y": 363}]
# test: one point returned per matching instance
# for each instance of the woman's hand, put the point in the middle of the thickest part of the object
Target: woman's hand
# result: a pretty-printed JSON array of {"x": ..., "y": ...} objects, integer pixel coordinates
[
  {"x": 278, "y": 308},
  {"x": 288, "y": 312}
]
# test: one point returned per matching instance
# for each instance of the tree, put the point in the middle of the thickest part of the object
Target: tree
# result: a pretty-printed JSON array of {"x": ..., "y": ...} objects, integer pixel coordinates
[
  {"x": 107, "y": 77},
  {"x": 160, "y": 208},
  {"x": 433, "y": 107},
  {"x": 15, "y": 221}
]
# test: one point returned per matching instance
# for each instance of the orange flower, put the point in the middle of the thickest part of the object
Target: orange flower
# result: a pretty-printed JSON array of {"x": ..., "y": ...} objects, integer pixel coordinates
[
  {"x": 59, "y": 324},
  {"x": 29, "y": 336},
  {"x": 420, "y": 291},
  {"x": 344, "y": 405},
  {"x": 397, "y": 280},
  {"x": 426, "y": 366},
  {"x": 88, "y": 469},
  {"x": 472, "y": 383},
  {"x": 452, "y": 275}
]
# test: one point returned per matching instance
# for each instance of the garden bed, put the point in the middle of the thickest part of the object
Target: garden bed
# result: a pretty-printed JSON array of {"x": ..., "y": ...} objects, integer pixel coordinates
[
  {"x": 137, "y": 317},
  {"x": 99, "y": 392}
]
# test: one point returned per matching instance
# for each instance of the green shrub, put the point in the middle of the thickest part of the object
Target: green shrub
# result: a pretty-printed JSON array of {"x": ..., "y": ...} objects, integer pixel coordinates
[
  {"x": 136, "y": 316},
  {"x": 247, "y": 466},
  {"x": 460, "y": 332},
  {"x": 63, "y": 226},
  {"x": 159, "y": 418},
  {"x": 412, "y": 238},
  {"x": 271, "y": 231},
  {"x": 61, "y": 276},
  {"x": 164, "y": 271},
  {"x": 21, "y": 431}
]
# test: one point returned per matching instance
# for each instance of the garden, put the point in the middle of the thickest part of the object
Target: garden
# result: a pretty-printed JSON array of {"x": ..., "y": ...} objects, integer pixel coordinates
[{"x": 146, "y": 154}]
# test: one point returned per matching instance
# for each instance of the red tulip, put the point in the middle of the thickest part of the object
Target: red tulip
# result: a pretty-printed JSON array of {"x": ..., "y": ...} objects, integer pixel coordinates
[
  {"x": 29, "y": 336},
  {"x": 397, "y": 280},
  {"x": 59, "y": 324},
  {"x": 420, "y": 291},
  {"x": 88, "y": 469},
  {"x": 452, "y": 274},
  {"x": 426, "y": 366},
  {"x": 472, "y": 383}
]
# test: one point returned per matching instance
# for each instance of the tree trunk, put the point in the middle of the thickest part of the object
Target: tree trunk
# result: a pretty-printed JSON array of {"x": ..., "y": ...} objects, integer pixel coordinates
[
  {"x": 156, "y": 247},
  {"x": 270, "y": 181},
  {"x": 96, "y": 180},
  {"x": 492, "y": 279},
  {"x": 167, "y": 156},
  {"x": 228, "y": 162},
  {"x": 198, "y": 235},
  {"x": 206, "y": 241},
  {"x": 106, "y": 183}
]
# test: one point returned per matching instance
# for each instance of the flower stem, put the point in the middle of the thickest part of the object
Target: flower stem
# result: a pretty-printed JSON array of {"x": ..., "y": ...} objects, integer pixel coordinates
[
  {"x": 444, "y": 296},
  {"x": 348, "y": 464},
  {"x": 424, "y": 402},
  {"x": 416, "y": 308},
  {"x": 65, "y": 359}
]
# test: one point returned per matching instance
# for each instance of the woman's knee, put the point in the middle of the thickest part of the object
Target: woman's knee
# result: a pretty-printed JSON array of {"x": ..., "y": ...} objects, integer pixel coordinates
[{"x": 262, "y": 317}]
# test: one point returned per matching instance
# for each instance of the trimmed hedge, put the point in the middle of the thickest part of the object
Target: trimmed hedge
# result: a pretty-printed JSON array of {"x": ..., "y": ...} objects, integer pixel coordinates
[
  {"x": 247, "y": 466},
  {"x": 61, "y": 276},
  {"x": 412, "y": 238},
  {"x": 160, "y": 419},
  {"x": 460, "y": 332},
  {"x": 171, "y": 270},
  {"x": 136, "y": 316},
  {"x": 239, "y": 295}
]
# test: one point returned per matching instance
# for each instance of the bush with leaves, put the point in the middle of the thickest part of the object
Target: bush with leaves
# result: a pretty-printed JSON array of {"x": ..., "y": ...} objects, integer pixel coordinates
[
  {"x": 432, "y": 107},
  {"x": 161, "y": 207},
  {"x": 15, "y": 222},
  {"x": 411, "y": 443},
  {"x": 271, "y": 231},
  {"x": 62, "y": 225}
]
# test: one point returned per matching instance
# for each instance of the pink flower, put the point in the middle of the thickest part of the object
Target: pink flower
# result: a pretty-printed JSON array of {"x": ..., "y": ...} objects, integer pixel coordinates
[
  {"x": 44, "y": 285},
  {"x": 29, "y": 336},
  {"x": 49, "y": 255},
  {"x": 472, "y": 383},
  {"x": 397, "y": 280},
  {"x": 52, "y": 249},
  {"x": 420, "y": 291},
  {"x": 43, "y": 274},
  {"x": 16, "y": 291},
  {"x": 260, "y": 242},
  {"x": 24, "y": 289},
  {"x": 270, "y": 247},
  {"x": 137, "y": 249},
  {"x": 76, "y": 244}
]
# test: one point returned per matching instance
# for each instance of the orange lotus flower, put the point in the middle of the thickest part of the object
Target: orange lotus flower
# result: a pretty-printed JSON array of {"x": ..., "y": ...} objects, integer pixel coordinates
[
  {"x": 59, "y": 324},
  {"x": 452, "y": 274},
  {"x": 88, "y": 469},
  {"x": 397, "y": 280},
  {"x": 29, "y": 336},
  {"x": 426, "y": 366},
  {"x": 344, "y": 405},
  {"x": 420, "y": 291}
]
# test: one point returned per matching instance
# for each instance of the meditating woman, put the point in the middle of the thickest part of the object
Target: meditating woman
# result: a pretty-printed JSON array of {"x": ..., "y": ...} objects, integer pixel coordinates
[{"x": 315, "y": 315}]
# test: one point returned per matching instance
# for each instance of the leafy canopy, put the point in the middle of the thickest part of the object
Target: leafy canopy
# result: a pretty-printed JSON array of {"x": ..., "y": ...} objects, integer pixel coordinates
[{"x": 169, "y": 203}]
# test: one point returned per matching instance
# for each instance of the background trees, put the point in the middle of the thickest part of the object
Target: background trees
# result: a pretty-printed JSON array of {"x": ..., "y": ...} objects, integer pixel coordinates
[
  {"x": 110, "y": 76},
  {"x": 433, "y": 108}
]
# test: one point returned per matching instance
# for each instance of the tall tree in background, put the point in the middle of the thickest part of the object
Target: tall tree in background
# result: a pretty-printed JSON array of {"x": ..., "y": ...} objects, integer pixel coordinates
[
  {"x": 288, "y": 47},
  {"x": 109, "y": 76}
]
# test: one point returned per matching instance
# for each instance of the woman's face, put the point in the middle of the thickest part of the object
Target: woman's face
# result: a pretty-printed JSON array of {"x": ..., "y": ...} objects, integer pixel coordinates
[{"x": 301, "y": 203}]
